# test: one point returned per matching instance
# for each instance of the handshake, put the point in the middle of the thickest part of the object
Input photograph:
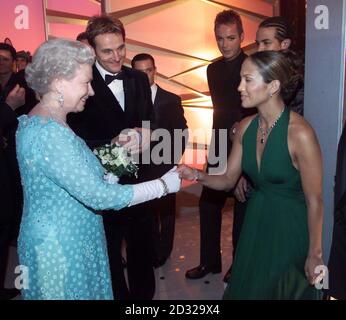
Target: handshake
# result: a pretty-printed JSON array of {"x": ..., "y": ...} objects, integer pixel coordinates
[
  {"x": 170, "y": 182},
  {"x": 172, "y": 179}
]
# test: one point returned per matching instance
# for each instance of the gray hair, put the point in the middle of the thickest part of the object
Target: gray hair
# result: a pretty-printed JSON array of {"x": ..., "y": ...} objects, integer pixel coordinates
[{"x": 56, "y": 59}]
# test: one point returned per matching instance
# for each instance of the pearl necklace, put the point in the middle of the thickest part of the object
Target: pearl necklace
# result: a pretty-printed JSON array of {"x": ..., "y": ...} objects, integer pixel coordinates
[{"x": 265, "y": 133}]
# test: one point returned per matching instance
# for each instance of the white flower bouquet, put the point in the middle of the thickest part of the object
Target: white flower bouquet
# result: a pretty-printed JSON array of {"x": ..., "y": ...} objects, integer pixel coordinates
[{"x": 117, "y": 162}]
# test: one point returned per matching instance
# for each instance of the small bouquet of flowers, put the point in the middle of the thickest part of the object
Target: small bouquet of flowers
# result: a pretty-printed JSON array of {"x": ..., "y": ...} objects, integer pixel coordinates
[{"x": 117, "y": 162}]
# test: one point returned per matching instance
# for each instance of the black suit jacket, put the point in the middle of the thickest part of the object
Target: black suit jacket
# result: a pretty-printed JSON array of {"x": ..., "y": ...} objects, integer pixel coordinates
[
  {"x": 223, "y": 80},
  {"x": 337, "y": 259},
  {"x": 7, "y": 118},
  {"x": 9, "y": 132},
  {"x": 30, "y": 98},
  {"x": 103, "y": 118},
  {"x": 340, "y": 176},
  {"x": 169, "y": 115}
]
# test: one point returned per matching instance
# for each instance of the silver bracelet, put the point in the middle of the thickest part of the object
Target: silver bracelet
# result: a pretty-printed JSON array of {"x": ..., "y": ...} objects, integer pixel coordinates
[
  {"x": 196, "y": 174},
  {"x": 165, "y": 187}
]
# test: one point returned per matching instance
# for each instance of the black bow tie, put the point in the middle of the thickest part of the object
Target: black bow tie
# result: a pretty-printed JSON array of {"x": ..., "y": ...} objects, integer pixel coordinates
[{"x": 118, "y": 76}]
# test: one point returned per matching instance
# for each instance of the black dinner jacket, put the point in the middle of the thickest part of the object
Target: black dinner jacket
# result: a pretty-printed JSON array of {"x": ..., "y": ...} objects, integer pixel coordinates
[
  {"x": 103, "y": 118},
  {"x": 169, "y": 115},
  {"x": 340, "y": 177},
  {"x": 7, "y": 118},
  {"x": 223, "y": 81}
]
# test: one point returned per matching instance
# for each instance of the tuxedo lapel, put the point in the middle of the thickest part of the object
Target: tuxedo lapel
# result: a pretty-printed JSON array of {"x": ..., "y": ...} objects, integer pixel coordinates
[
  {"x": 103, "y": 92},
  {"x": 158, "y": 102},
  {"x": 130, "y": 95},
  {"x": 160, "y": 96}
]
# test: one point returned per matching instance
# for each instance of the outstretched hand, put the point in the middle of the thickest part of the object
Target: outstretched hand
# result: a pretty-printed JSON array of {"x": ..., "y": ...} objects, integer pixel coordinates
[{"x": 187, "y": 173}]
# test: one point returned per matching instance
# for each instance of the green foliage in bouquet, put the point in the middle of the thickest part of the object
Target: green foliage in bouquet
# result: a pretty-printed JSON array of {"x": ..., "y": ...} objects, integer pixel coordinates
[{"x": 116, "y": 160}]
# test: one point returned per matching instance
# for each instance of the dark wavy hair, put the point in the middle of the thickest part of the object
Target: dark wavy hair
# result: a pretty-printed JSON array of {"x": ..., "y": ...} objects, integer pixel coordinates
[
  {"x": 283, "y": 29},
  {"x": 280, "y": 65},
  {"x": 9, "y": 48}
]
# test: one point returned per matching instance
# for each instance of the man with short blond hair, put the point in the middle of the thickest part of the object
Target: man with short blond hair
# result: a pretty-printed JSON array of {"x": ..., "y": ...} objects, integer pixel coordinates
[{"x": 223, "y": 80}]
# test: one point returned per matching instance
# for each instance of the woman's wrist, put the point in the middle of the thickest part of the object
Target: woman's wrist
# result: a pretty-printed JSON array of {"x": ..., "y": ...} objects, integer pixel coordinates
[
  {"x": 197, "y": 175},
  {"x": 315, "y": 253}
]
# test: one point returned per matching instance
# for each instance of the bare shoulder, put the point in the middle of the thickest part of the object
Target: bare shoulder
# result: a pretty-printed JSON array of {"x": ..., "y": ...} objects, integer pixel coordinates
[
  {"x": 300, "y": 131},
  {"x": 243, "y": 125}
]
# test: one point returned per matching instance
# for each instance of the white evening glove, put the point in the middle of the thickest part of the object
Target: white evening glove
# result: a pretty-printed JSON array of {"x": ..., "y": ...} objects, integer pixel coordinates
[{"x": 145, "y": 191}]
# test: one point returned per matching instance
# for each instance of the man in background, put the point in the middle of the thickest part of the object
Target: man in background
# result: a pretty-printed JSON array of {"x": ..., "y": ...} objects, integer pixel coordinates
[
  {"x": 22, "y": 60},
  {"x": 169, "y": 115},
  {"x": 223, "y": 80}
]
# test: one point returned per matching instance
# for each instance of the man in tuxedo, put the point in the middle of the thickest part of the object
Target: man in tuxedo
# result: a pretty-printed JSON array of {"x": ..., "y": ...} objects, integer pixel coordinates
[
  {"x": 169, "y": 115},
  {"x": 223, "y": 80},
  {"x": 13, "y": 101},
  {"x": 122, "y": 100},
  {"x": 337, "y": 258}
]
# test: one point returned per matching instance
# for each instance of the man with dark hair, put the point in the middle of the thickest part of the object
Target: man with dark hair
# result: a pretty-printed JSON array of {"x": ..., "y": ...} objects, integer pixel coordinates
[
  {"x": 9, "y": 79},
  {"x": 274, "y": 33},
  {"x": 22, "y": 60},
  {"x": 223, "y": 79},
  {"x": 169, "y": 115},
  {"x": 122, "y": 100}
]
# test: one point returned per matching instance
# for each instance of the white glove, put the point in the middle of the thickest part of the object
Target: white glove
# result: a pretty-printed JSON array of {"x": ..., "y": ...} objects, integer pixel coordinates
[
  {"x": 170, "y": 177},
  {"x": 153, "y": 189}
]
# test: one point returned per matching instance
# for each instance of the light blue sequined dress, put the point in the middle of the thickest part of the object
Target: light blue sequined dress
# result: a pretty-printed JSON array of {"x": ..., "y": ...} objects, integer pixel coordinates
[{"x": 62, "y": 240}]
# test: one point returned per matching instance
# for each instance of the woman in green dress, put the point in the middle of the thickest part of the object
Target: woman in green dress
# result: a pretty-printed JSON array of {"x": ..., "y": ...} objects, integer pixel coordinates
[{"x": 280, "y": 244}]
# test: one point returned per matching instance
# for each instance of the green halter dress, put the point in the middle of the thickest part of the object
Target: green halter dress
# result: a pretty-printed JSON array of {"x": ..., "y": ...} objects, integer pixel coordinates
[{"x": 273, "y": 246}]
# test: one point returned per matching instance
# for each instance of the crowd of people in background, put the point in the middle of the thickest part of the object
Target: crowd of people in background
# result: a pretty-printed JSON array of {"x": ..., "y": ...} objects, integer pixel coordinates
[{"x": 73, "y": 96}]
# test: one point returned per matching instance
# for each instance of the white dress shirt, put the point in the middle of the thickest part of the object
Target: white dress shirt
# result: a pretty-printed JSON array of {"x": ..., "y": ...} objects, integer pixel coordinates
[
  {"x": 116, "y": 86},
  {"x": 153, "y": 92}
]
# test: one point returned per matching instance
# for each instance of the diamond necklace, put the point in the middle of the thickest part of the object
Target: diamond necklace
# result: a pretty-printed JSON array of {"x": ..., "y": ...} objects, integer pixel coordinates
[{"x": 265, "y": 133}]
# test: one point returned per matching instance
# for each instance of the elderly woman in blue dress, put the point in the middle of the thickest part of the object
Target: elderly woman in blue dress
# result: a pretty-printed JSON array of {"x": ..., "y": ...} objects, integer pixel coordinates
[{"x": 62, "y": 241}]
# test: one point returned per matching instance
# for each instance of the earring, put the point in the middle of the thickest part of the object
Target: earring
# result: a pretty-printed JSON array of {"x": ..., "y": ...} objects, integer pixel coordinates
[{"x": 60, "y": 99}]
